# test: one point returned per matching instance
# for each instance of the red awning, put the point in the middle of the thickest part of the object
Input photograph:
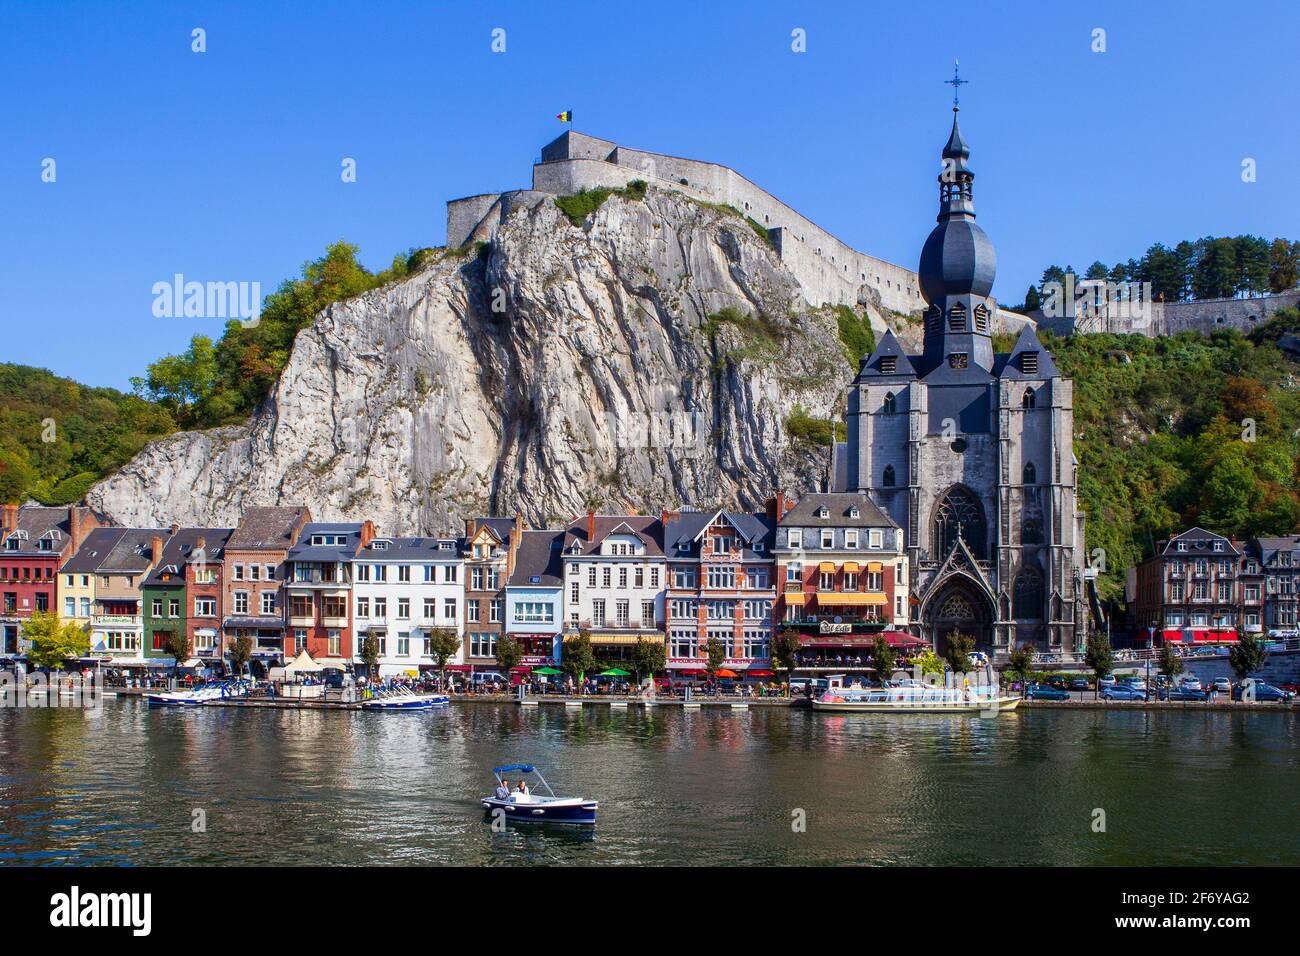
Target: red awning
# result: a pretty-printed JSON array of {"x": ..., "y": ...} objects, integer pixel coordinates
[
  {"x": 460, "y": 668},
  {"x": 760, "y": 673},
  {"x": 901, "y": 639},
  {"x": 1200, "y": 636}
]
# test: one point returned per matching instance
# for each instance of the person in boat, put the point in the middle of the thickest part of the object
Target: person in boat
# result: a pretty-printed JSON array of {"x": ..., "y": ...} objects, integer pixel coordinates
[
  {"x": 522, "y": 789},
  {"x": 503, "y": 789}
]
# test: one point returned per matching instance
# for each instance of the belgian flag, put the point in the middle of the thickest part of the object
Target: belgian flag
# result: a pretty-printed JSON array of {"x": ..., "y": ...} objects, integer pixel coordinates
[{"x": 565, "y": 117}]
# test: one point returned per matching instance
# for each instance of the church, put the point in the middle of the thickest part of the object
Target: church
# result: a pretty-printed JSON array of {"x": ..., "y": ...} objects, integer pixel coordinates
[{"x": 971, "y": 452}]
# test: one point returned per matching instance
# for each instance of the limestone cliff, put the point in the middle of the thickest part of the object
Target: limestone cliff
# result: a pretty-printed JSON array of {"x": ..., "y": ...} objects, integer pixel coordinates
[{"x": 555, "y": 369}]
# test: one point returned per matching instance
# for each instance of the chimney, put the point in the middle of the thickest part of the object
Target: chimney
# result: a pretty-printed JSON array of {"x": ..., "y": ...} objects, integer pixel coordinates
[
  {"x": 74, "y": 528},
  {"x": 367, "y": 532},
  {"x": 470, "y": 527},
  {"x": 10, "y": 513},
  {"x": 157, "y": 548},
  {"x": 519, "y": 522},
  {"x": 174, "y": 528},
  {"x": 776, "y": 506},
  {"x": 201, "y": 544},
  {"x": 665, "y": 517},
  {"x": 591, "y": 526}
]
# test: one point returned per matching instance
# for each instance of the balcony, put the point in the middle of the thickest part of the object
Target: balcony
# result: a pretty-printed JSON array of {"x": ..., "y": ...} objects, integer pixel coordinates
[
  {"x": 335, "y": 622},
  {"x": 116, "y": 620},
  {"x": 302, "y": 620}
]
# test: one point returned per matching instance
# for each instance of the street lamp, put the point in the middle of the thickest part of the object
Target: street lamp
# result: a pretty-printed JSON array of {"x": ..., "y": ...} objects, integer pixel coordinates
[{"x": 1151, "y": 647}]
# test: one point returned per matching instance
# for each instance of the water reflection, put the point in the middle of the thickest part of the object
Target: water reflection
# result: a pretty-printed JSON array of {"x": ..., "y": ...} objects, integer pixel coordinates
[{"x": 700, "y": 786}]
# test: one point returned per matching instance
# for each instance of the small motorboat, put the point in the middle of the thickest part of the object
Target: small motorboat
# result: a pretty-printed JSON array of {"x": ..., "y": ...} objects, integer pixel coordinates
[
  {"x": 401, "y": 698},
  {"x": 534, "y": 807},
  {"x": 214, "y": 690}
]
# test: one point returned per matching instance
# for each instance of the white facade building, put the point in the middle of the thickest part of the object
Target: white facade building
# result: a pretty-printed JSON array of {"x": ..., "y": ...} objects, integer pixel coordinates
[{"x": 402, "y": 589}]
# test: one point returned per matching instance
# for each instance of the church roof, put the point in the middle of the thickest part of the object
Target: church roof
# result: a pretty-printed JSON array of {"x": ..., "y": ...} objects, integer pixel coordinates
[
  {"x": 956, "y": 148},
  {"x": 887, "y": 347},
  {"x": 1027, "y": 344}
]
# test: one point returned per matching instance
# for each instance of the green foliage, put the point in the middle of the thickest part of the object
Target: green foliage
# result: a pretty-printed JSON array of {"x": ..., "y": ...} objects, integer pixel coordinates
[
  {"x": 803, "y": 427},
  {"x": 650, "y": 656},
  {"x": 1171, "y": 665},
  {"x": 58, "y": 437},
  {"x": 716, "y": 655},
  {"x": 370, "y": 654},
  {"x": 1247, "y": 656},
  {"x": 177, "y": 644},
  {"x": 443, "y": 645},
  {"x": 508, "y": 653},
  {"x": 1099, "y": 656},
  {"x": 760, "y": 337},
  {"x": 53, "y": 641},
  {"x": 883, "y": 659},
  {"x": 586, "y": 201},
  {"x": 576, "y": 655},
  {"x": 240, "y": 653},
  {"x": 957, "y": 656},
  {"x": 1163, "y": 443},
  {"x": 761, "y": 230},
  {"x": 930, "y": 662},
  {"x": 785, "y": 647},
  {"x": 1020, "y": 662},
  {"x": 856, "y": 333}
]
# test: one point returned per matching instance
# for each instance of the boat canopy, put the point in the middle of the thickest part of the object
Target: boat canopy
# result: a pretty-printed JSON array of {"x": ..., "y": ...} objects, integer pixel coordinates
[{"x": 521, "y": 767}]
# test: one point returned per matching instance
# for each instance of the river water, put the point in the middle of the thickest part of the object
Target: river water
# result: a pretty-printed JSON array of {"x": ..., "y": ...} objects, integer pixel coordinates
[{"x": 134, "y": 785}]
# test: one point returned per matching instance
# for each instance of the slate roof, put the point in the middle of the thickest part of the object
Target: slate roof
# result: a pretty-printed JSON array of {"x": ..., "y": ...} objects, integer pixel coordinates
[
  {"x": 838, "y": 505},
  {"x": 93, "y": 550},
  {"x": 1191, "y": 535},
  {"x": 265, "y": 529},
  {"x": 650, "y": 529},
  {"x": 412, "y": 549},
  {"x": 539, "y": 561},
  {"x": 304, "y": 550},
  {"x": 133, "y": 552},
  {"x": 1269, "y": 547},
  {"x": 35, "y": 521},
  {"x": 687, "y": 527},
  {"x": 179, "y": 550}
]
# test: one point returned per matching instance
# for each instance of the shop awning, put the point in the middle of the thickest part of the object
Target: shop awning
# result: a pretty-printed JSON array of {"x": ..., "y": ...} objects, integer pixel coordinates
[
  {"x": 901, "y": 639},
  {"x": 875, "y": 567},
  {"x": 796, "y": 597},
  {"x": 303, "y": 664},
  {"x": 1200, "y": 636},
  {"x": 603, "y": 638},
  {"x": 855, "y": 599},
  {"x": 827, "y": 567},
  {"x": 851, "y": 567}
]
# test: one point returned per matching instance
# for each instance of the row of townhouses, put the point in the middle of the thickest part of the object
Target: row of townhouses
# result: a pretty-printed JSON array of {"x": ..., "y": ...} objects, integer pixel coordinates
[
  {"x": 1200, "y": 587},
  {"x": 831, "y": 567}
]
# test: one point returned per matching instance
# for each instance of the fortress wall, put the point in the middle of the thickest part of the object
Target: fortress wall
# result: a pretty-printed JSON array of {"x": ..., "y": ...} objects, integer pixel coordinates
[
  {"x": 1211, "y": 314},
  {"x": 463, "y": 215}
]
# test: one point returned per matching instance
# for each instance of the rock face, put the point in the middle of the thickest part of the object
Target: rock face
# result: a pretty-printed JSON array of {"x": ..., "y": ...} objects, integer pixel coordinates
[{"x": 559, "y": 368}]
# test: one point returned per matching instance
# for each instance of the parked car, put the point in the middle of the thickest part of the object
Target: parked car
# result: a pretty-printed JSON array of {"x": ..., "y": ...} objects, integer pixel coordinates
[
  {"x": 1133, "y": 683},
  {"x": 1080, "y": 683},
  {"x": 1059, "y": 682},
  {"x": 1122, "y": 692},
  {"x": 1222, "y": 685},
  {"x": 1262, "y": 692},
  {"x": 1107, "y": 681},
  {"x": 1190, "y": 682},
  {"x": 336, "y": 680},
  {"x": 1044, "y": 692},
  {"x": 1182, "y": 693}
]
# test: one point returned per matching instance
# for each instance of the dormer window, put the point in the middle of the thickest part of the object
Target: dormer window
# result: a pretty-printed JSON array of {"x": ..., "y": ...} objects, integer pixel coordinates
[
  {"x": 379, "y": 545},
  {"x": 822, "y": 512},
  {"x": 888, "y": 364},
  {"x": 853, "y": 512},
  {"x": 1182, "y": 545},
  {"x": 1218, "y": 546}
]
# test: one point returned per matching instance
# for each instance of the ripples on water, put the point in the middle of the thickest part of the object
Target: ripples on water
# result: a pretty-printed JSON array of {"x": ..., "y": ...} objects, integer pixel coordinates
[{"x": 676, "y": 787}]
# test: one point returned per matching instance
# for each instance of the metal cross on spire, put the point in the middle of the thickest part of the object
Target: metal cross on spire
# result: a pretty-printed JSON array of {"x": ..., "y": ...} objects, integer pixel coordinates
[{"x": 956, "y": 82}]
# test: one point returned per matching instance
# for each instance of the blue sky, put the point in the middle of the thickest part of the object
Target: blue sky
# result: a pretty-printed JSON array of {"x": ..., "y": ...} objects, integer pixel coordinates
[{"x": 224, "y": 166}]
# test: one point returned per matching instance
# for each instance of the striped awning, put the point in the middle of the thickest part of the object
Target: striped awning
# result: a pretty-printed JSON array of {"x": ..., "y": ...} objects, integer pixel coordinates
[
  {"x": 598, "y": 637},
  {"x": 837, "y": 597}
]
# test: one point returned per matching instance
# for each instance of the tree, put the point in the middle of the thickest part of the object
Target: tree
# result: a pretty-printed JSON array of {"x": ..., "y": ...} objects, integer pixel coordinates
[
  {"x": 444, "y": 643},
  {"x": 1283, "y": 265},
  {"x": 1247, "y": 656},
  {"x": 785, "y": 652},
  {"x": 177, "y": 644},
  {"x": 1097, "y": 270},
  {"x": 883, "y": 659},
  {"x": 370, "y": 655},
  {"x": 241, "y": 652},
  {"x": 1099, "y": 657},
  {"x": 1020, "y": 663},
  {"x": 716, "y": 655},
  {"x": 53, "y": 641},
  {"x": 1171, "y": 665},
  {"x": 1032, "y": 299},
  {"x": 181, "y": 381},
  {"x": 508, "y": 654},
  {"x": 930, "y": 663},
  {"x": 650, "y": 657},
  {"x": 577, "y": 657},
  {"x": 958, "y": 653}
]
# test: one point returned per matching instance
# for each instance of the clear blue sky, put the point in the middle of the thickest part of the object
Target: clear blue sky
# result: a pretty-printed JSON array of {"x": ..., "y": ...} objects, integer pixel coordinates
[{"x": 225, "y": 165}]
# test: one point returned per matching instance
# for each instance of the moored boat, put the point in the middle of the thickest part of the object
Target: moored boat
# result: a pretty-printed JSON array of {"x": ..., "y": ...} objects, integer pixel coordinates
[
  {"x": 399, "y": 698},
  {"x": 915, "y": 699},
  {"x": 536, "y": 808},
  {"x": 215, "y": 690}
]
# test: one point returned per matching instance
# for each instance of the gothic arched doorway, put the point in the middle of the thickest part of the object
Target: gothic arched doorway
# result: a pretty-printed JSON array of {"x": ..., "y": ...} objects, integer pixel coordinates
[
  {"x": 960, "y": 606},
  {"x": 957, "y": 512}
]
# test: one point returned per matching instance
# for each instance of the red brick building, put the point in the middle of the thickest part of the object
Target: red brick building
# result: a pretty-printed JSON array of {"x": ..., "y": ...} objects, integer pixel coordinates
[{"x": 34, "y": 543}]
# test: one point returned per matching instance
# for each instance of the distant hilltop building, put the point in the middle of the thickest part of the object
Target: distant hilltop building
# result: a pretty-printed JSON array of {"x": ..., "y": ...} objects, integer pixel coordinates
[
  {"x": 829, "y": 271},
  {"x": 971, "y": 452},
  {"x": 1101, "y": 306}
]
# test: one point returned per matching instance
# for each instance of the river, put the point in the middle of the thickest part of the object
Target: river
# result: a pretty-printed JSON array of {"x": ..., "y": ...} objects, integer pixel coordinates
[{"x": 134, "y": 785}]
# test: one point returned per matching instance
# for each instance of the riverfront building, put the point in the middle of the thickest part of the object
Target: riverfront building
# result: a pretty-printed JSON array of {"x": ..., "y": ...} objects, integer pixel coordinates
[
  {"x": 614, "y": 574},
  {"x": 1190, "y": 590},
  {"x": 318, "y": 590},
  {"x": 182, "y": 594},
  {"x": 721, "y": 586},
  {"x": 402, "y": 590},
  {"x": 78, "y": 575},
  {"x": 490, "y": 544},
  {"x": 254, "y": 556},
  {"x": 535, "y": 598},
  {"x": 34, "y": 543}
]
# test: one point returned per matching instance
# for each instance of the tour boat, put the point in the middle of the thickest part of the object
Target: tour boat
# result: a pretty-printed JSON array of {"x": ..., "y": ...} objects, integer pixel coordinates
[
  {"x": 216, "y": 690},
  {"x": 915, "y": 698},
  {"x": 400, "y": 698},
  {"x": 535, "y": 808}
]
